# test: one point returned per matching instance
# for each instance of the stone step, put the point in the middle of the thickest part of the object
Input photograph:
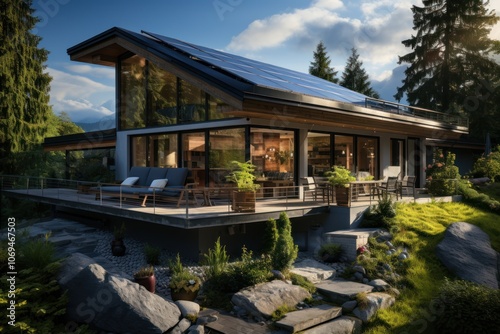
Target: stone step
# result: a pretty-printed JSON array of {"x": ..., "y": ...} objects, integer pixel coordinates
[
  {"x": 303, "y": 319},
  {"x": 343, "y": 324},
  {"x": 340, "y": 291}
]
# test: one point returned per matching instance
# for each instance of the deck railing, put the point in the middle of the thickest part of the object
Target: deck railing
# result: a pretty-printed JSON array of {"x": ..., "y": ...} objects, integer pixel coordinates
[
  {"x": 196, "y": 201},
  {"x": 402, "y": 109}
]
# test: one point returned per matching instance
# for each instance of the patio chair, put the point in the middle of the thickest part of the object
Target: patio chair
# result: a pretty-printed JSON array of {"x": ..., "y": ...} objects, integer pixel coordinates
[
  {"x": 391, "y": 186},
  {"x": 408, "y": 184},
  {"x": 312, "y": 189}
]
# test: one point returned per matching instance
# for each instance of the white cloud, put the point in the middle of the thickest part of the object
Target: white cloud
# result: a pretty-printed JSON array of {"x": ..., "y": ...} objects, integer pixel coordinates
[
  {"x": 80, "y": 97},
  {"x": 96, "y": 71},
  {"x": 374, "y": 27}
]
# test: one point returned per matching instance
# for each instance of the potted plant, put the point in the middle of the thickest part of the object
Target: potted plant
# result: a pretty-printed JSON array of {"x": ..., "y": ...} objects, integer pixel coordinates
[
  {"x": 145, "y": 276},
  {"x": 339, "y": 178},
  {"x": 183, "y": 284},
  {"x": 242, "y": 174},
  {"x": 117, "y": 245}
]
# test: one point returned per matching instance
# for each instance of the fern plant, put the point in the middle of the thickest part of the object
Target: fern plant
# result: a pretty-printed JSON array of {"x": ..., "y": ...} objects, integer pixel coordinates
[{"x": 216, "y": 260}]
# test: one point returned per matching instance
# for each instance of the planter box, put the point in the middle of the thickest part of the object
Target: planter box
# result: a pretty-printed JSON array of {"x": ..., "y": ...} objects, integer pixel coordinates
[
  {"x": 244, "y": 201},
  {"x": 342, "y": 195}
]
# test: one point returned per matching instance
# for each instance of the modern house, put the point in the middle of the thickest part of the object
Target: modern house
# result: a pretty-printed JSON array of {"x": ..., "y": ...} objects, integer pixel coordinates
[{"x": 185, "y": 105}]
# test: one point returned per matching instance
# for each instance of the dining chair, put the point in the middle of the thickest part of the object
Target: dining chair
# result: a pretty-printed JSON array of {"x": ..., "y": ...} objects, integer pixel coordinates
[
  {"x": 408, "y": 184},
  {"x": 312, "y": 189},
  {"x": 391, "y": 186}
]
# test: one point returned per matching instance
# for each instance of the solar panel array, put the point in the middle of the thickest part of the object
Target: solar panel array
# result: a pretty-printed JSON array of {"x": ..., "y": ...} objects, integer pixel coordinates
[{"x": 266, "y": 75}]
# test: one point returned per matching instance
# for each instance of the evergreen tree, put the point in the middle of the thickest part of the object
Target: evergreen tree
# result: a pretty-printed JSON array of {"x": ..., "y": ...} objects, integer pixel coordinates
[
  {"x": 285, "y": 251},
  {"x": 24, "y": 93},
  {"x": 451, "y": 55},
  {"x": 320, "y": 67},
  {"x": 355, "y": 78}
]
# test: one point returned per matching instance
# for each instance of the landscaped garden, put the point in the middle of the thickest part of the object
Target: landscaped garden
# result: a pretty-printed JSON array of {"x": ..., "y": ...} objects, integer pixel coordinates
[{"x": 423, "y": 283}]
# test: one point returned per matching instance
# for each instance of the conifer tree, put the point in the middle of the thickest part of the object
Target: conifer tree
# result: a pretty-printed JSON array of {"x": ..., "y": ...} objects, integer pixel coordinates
[
  {"x": 355, "y": 78},
  {"x": 451, "y": 55},
  {"x": 320, "y": 67},
  {"x": 24, "y": 93}
]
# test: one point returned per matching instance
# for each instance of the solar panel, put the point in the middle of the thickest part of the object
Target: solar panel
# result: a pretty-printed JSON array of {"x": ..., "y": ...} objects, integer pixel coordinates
[{"x": 265, "y": 75}]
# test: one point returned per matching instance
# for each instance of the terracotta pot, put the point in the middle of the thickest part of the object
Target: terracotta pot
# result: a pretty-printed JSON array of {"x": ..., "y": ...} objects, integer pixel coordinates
[
  {"x": 149, "y": 282},
  {"x": 183, "y": 295},
  {"x": 118, "y": 248}
]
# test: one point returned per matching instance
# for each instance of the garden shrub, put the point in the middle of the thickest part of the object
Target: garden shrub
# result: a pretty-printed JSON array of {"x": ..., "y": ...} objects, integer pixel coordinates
[
  {"x": 152, "y": 254},
  {"x": 330, "y": 252},
  {"x": 285, "y": 251},
  {"x": 472, "y": 197},
  {"x": 442, "y": 174},
  {"x": 380, "y": 215},
  {"x": 216, "y": 260},
  {"x": 36, "y": 253},
  {"x": 466, "y": 307},
  {"x": 270, "y": 237},
  {"x": 488, "y": 166}
]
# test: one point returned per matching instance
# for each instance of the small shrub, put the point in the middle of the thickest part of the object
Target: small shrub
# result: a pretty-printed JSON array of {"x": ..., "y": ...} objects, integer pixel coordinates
[
  {"x": 270, "y": 237},
  {"x": 457, "y": 312},
  {"x": 36, "y": 253},
  {"x": 152, "y": 254},
  {"x": 216, "y": 260},
  {"x": 362, "y": 300},
  {"x": 442, "y": 174},
  {"x": 286, "y": 251},
  {"x": 281, "y": 312},
  {"x": 488, "y": 166},
  {"x": 330, "y": 252},
  {"x": 181, "y": 278},
  {"x": 144, "y": 272},
  {"x": 473, "y": 197},
  {"x": 303, "y": 282},
  {"x": 381, "y": 215}
]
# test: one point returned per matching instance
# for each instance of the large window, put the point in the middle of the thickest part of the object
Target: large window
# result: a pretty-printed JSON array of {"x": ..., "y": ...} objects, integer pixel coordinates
[
  {"x": 344, "y": 152},
  {"x": 367, "y": 155},
  {"x": 226, "y": 145},
  {"x": 151, "y": 96},
  {"x": 155, "y": 150},
  {"x": 272, "y": 152},
  {"x": 318, "y": 153},
  {"x": 133, "y": 93}
]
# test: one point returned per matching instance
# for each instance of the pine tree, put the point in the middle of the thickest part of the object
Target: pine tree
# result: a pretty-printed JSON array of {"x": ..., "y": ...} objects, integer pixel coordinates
[
  {"x": 24, "y": 93},
  {"x": 451, "y": 54},
  {"x": 355, "y": 78},
  {"x": 320, "y": 67}
]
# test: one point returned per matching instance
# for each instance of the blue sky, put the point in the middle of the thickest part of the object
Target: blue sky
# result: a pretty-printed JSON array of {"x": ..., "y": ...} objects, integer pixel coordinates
[{"x": 283, "y": 33}]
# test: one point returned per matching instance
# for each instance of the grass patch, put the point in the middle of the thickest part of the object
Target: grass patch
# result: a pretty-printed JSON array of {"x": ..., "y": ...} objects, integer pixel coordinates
[{"x": 421, "y": 227}]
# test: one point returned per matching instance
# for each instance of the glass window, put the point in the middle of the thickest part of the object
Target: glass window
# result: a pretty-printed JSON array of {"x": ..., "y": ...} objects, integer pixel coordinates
[
  {"x": 226, "y": 145},
  {"x": 193, "y": 155},
  {"x": 162, "y": 96},
  {"x": 192, "y": 103},
  {"x": 155, "y": 150},
  {"x": 272, "y": 152},
  {"x": 344, "y": 152},
  {"x": 132, "y": 93},
  {"x": 218, "y": 109},
  {"x": 367, "y": 155},
  {"x": 318, "y": 153}
]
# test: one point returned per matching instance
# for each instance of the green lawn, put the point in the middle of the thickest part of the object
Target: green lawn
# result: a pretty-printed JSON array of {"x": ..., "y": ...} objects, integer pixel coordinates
[{"x": 421, "y": 227}]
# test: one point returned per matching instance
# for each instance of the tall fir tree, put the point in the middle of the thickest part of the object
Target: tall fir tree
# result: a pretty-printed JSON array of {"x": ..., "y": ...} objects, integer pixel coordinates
[
  {"x": 24, "y": 93},
  {"x": 355, "y": 78},
  {"x": 452, "y": 57},
  {"x": 320, "y": 67}
]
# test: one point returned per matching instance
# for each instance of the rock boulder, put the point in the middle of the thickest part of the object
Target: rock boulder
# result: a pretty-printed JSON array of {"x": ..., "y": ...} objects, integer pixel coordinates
[
  {"x": 112, "y": 303},
  {"x": 263, "y": 299},
  {"x": 466, "y": 251}
]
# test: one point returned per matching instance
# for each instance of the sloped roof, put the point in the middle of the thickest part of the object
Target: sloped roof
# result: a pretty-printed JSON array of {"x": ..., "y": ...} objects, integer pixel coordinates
[{"x": 262, "y": 74}]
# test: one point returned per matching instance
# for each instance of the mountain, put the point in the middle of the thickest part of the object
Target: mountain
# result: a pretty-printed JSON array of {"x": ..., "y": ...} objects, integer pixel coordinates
[{"x": 107, "y": 122}]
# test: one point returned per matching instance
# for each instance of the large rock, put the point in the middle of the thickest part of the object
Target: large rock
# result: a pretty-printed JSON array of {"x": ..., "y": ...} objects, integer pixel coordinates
[
  {"x": 312, "y": 270},
  {"x": 263, "y": 299},
  {"x": 112, "y": 303},
  {"x": 376, "y": 301},
  {"x": 466, "y": 251}
]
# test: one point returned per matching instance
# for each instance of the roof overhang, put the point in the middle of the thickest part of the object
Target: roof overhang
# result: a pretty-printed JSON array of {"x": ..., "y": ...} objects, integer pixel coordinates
[{"x": 81, "y": 141}]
